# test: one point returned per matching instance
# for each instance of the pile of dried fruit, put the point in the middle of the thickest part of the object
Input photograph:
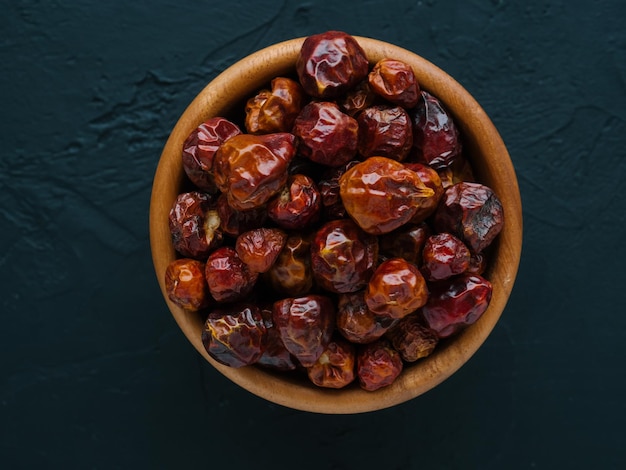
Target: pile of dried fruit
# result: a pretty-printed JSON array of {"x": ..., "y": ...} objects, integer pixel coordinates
[{"x": 342, "y": 235}]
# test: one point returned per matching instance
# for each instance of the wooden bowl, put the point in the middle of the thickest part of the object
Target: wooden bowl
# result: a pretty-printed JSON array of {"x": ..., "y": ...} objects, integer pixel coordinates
[{"x": 491, "y": 163}]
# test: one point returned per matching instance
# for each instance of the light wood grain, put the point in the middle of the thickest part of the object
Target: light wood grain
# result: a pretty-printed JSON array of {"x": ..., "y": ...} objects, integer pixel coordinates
[{"x": 488, "y": 156}]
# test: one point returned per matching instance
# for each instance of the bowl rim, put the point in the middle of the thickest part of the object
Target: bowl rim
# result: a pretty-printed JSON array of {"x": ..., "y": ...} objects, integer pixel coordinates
[{"x": 242, "y": 79}]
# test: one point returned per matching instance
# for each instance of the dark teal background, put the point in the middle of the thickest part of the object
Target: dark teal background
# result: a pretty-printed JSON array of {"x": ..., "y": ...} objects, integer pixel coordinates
[{"x": 94, "y": 373}]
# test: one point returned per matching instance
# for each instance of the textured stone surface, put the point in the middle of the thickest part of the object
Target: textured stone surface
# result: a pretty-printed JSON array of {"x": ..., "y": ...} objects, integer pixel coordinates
[{"x": 94, "y": 372}]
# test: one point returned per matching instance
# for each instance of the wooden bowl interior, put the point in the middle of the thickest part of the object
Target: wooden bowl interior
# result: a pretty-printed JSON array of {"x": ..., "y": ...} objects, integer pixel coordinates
[{"x": 488, "y": 156}]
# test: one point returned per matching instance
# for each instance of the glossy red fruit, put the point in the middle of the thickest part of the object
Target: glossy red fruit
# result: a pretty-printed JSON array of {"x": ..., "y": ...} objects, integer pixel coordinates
[
  {"x": 200, "y": 147},
  {"x": 330, "y": 63},
  {"x": 472, "y": 212},
  {"x": 305, "y": 325},
  {"x": 456, "y": 303},
  {"x": 343, "y": 256},
  {"x": 186, "y": 285},
  {"x": 385, "y": 131},
  {"x": 378, "y": 365},
  {"x": 436, "y": 139},
  {"x": 444, "y": 256},
  {"x": 325, "y": 134},
  {"x": 250, "y": 169},
  {"x": 381, "y": 194},
  {"x": 275, "y": 355},
  {"x": 395, "y": 81},
  {"x": 195, "y": 225},
  {"x": 298, "y": 205},
  {"x": 396, "y": 289},
  {"x": 357, "y": 323},
  {"x": 234, "y": 335},
  {"x": 431, "y": 180},
  {"x": 335, "y": 368},
  {"x": 407, "y": 242},
  {"x": 260, "y": 247},
  {"x": 274, "y": 110},
  {"x": 228, "y": 277},
  {"x": 291, "y": 273}
]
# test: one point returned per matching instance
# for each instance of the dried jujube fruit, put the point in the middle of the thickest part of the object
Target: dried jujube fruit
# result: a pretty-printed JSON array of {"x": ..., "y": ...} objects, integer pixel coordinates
[
  {"x": 186, "y": 285},
  {"x": 395, "y": 81},
  {"x": 234, "y": 335},
  {"x": 194, "y": 225},
  {"x": 228, "y": 277},
  {"x": 343, "y": 256},
  {"x": 431, "y": 180},
  {"x": 298, "y": 205},
  {"x": 378, "y": 364},
  {"x": 330, "y": 63},
  {"x": 396, "y": 289},
  {"x": 291, "y": 273},
  {"x": 412, "y": 338},
  {"x": 260, "y": 247},
  {"x": 326, "y": 135},
  {"x": 305, "y": 325},
  {"x": 357, "y": 99},
  {"x": 347, "y": 219},
  {"x": 335, "y": 368},
  {"x": 456, "y": 303},
  {"x": 436, "y": 139},
  {"x": 381, "y": 194},
  {"x": 356, "y": 322},
  {"x": 275, "y": 355},
  {"x": 407, "y": 242},
  {"x": 199, "y": 150},
  {"x": 472, "y": 212},
  {"x": 274, "y": 110},
  {"x": 234, "y": 222},
  {"x": 385, "y": 131},
  {"x": 250, "y": 169},
  {"x": 444, "y": 256}
]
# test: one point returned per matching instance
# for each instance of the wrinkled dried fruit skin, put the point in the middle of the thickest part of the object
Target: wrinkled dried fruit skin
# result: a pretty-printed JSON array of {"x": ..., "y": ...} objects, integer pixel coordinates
[
  {"x": 343, "y": 256},
  {"x": 330, "y": 63},
  {"x": 436, "y": 139},
  {"x": 234, "y": 222},
  {"x": 325, "y": 134},
  {"x": 228, "y": 277},
  {"x": 234, "y": 335},
  {"x": 194, "y": 225},
  {"x": 456, "y": 303},
  {"x": 444, "y": 256},
  {"x": 335, "y": 368},
  {"x": 186, "y": 285},
  {"x": 385, "y": 131},
  {"x": 275, "y": 355},
  {"x": 305, "y": 325},
  {"x": 357, "y": 99},
  {"x": 406, "y": 242},
  {"x": 412, "y": 338},
  {"x": 396, "y": 289},
  {"x": 378, "y": 365},
  {"x": 395, "y": 81},
  {"x": 332, "y": 206},
  {"x": 459, "y": 170},
  {"x": 250, "y": 169},
  {"x": 381, "y": 195},
  {"x": 472, "y": 212},
  {"x": 260, "y": 247},
  {"x": 431, "y": 179},
  {"x": 477, "y": 264},
  {"x": 200, "y": 147},
  {"x": 275, "y": 110},
  {"x": 356, "y": 322},
  {"x": 298, "y": 205},
  {"x": 291, "y": 273}
]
